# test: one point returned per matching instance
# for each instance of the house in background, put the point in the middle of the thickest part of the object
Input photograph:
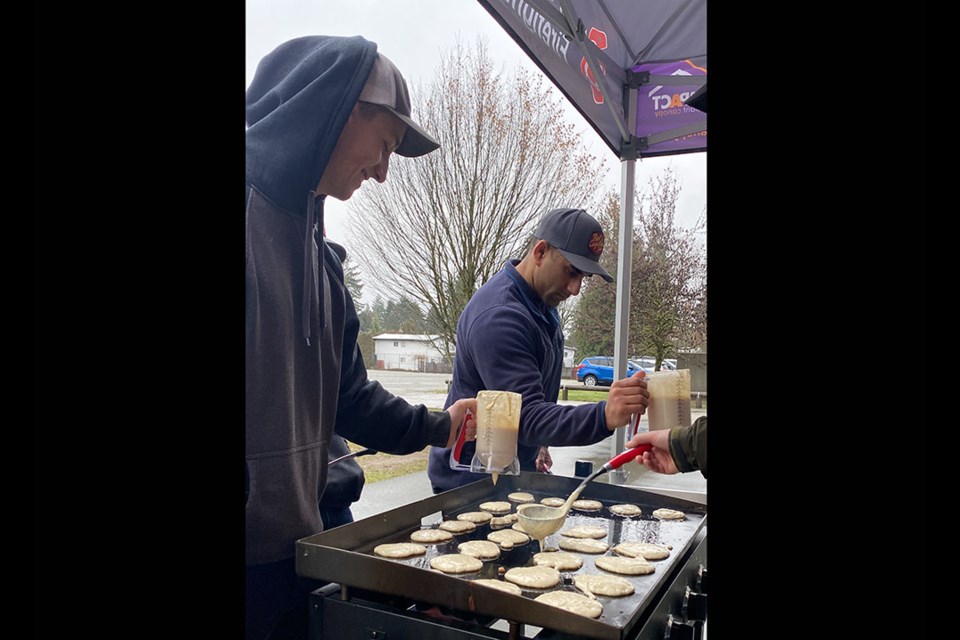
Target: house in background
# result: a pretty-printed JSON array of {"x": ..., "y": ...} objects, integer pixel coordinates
[
  {"x": 408, "y": 351},
  {"x": 415, "y": 352},
  {"x": 568, "y": 359}
]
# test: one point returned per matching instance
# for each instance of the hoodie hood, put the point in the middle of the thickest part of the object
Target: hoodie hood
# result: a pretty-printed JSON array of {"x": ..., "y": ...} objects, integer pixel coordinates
[{"x": 297, "y": 105}]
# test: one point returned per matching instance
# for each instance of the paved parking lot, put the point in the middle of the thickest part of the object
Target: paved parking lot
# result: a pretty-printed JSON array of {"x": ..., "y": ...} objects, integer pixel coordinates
[{"x": 416, "y": 388}]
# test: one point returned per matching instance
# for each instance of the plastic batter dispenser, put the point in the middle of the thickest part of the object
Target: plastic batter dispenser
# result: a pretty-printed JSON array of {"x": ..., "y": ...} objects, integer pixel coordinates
[
  {"x": 498, "y": 425},
  {"x": 669, "y": 399}
]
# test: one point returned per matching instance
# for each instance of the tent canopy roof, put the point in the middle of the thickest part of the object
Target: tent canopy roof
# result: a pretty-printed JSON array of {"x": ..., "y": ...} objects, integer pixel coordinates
[{"x": 650, "y": 57}]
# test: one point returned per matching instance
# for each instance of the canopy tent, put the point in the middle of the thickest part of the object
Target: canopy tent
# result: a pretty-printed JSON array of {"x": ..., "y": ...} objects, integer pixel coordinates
[{"x": 630, "y": 67}]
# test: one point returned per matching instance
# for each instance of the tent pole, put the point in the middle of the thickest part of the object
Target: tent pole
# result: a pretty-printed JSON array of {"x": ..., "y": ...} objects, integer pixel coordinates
[
  {"x": 624, "y": 272},
  {"x": 624, "y": 262}
]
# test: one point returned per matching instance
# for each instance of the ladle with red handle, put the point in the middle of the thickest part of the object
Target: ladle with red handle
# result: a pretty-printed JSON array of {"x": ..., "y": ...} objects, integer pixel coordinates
[
  {"x": 540, "y": 521},
  {"x": 614, "y": 463}
]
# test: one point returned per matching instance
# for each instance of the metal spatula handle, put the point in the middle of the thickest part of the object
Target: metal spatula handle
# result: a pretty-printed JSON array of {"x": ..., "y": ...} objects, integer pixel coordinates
[{"x": 353, "y": 454}]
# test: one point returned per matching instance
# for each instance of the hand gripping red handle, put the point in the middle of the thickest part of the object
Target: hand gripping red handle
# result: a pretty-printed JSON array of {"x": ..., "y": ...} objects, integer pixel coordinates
[{"x": 627, "y": 456}]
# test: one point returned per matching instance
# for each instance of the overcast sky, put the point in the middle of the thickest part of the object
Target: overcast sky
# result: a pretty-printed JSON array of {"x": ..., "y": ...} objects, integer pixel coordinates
[{"x": 412, "y": 33}]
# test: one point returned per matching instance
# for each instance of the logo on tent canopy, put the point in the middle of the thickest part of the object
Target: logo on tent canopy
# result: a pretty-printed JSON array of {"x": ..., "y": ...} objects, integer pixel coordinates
[
  {"x": 673, "y": 100},
  {"x": 662, "y": 108},
  {"x": 599, "y": 38}
]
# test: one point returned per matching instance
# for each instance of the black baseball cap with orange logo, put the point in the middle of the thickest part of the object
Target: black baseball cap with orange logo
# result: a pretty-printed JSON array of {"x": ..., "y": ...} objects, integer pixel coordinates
[{"x": 577, "y": 236}]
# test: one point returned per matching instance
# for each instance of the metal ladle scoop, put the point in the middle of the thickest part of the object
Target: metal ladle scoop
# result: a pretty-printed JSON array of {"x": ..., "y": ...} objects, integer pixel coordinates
[{"x": 539, "y": 521}]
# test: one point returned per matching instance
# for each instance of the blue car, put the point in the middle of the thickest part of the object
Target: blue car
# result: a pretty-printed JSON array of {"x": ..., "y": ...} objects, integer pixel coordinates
[{"x": 596, "y": 370}]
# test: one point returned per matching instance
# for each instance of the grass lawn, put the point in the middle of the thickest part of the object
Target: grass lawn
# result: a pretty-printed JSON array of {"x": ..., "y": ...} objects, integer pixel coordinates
[
  {"x": 585, "y": 396},
  {"x": 384, "y": 466}
]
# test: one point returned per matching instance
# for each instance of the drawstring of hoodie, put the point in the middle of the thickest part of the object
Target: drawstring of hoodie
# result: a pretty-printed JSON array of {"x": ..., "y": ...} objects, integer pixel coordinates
[{"x": 311, "y": 282}]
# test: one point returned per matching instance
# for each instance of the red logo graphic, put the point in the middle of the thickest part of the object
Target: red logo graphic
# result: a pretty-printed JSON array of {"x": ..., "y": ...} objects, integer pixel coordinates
[
  {"x": 598, "y": 38},
  {"x": 596, "y": 243}
]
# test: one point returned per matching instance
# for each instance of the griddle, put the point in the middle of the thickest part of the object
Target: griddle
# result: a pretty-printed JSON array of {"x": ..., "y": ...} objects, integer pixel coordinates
[{"x": 344, "y": 555}]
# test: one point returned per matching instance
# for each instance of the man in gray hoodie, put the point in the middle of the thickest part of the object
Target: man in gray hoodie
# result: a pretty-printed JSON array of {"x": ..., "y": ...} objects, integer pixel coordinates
[{"x": 324, "y": 114}]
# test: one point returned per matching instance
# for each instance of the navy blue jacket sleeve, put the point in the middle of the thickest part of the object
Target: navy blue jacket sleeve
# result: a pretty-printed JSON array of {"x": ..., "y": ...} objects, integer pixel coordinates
[{"x": 503, "y": 348}]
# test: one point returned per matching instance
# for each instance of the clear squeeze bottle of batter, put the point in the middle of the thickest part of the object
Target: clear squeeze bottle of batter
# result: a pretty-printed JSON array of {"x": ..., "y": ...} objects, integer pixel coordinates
[{"x": 498, "y": 425}]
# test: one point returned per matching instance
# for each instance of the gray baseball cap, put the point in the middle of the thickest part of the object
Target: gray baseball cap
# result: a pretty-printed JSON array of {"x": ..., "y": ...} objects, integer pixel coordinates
[
  {"x": 577, "y": 236},
  {"x": 386, "y": 87}
]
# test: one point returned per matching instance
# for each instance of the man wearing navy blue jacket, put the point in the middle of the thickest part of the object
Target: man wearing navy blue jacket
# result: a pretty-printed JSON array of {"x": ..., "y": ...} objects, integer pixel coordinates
[{"x": 509, "y": 338}]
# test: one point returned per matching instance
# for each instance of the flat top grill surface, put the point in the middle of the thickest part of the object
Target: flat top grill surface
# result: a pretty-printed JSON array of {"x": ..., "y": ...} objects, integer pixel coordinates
[{"x": 345, "y": 554}]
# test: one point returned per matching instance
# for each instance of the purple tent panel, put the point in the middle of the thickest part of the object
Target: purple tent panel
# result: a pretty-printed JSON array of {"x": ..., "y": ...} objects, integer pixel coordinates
[
  {"x": 662, "y": 111},
  {"x": 656, "y": 48}
]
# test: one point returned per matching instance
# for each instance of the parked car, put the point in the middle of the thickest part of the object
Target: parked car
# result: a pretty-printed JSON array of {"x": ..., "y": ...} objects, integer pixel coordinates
[
  {"x": 647, "y": 363},
  {"x": 594, "y": 370}
]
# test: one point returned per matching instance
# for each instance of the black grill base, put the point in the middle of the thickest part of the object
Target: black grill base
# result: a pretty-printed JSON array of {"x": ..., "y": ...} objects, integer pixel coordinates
[
  {"x": 364, "y": 617},
  {"x": 346, "y": 613}
]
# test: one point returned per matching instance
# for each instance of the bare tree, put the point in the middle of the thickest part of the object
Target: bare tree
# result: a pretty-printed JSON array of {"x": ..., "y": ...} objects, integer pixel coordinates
[
  {"x": 566, "y": 310},
  {"x": 668, "y": 296},
  {"x": 668, "y": 290},
  {"x": 443, "y": 224}
]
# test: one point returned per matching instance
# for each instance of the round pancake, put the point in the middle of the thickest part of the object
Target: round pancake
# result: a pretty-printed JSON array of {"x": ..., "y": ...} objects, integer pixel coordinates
[
  {"x": 455, "y": 563},
  {"x": 457, "y": 526},
  {"x": 509, "y": 587},
  {"x": 559, "y": 560},
  {"x": 585, "y": 531},
  {"x": 669, "y": 514},
  {"x": 601, "y": 585},
  {"x": 553, "y": 502},
  {"x": 533, "y": 577},
  {"x": 498, "y": 508},
  {"x": 476, "y": 517},
  {"x": 646, "y": 550},
  {"x": 572, "y": 602},
  {"x": 583, "y": 545},
  {"x": 625, "y": 509},
  {"x": 626, "y": 566},
  {"x": 502, "y": 521},
  {"x": 399, "y": 550},
  {"x": 482, "y": 549},
  {"x": 431, "y": 536},
  {"x": 587, "y": 505},
  {"x": 520, "y": 496},
  {"x": 508, "y": 537}
]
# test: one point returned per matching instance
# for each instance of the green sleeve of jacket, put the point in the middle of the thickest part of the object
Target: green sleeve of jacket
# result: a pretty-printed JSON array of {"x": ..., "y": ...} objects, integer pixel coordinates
[{"x": 688, "y": 445}]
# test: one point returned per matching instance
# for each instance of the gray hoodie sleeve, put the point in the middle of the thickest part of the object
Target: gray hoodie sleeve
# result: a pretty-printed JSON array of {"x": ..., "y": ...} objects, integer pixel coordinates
[{"x": 368, "y": 414}]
